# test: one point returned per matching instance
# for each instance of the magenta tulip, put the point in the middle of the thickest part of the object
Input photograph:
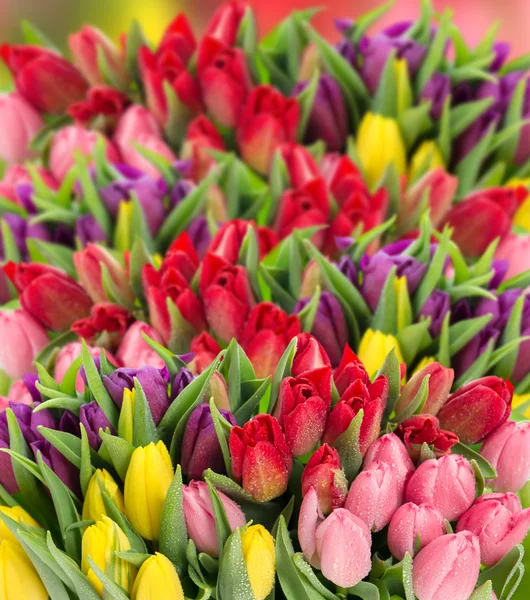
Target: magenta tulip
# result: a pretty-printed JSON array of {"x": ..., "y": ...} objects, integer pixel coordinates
[
  {"x": 135, "y": 352},
  {"x": 411, "y": 523}
]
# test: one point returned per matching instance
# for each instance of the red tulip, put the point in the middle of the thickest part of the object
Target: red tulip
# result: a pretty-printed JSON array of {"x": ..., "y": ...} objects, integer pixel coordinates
[
  {"x": 261, "y": 460},
  {"x": 440, "y": 383},
  {"x": 268, "y": 120},
  {"x": 225, "y": 23},
  {"x": 20, "y": 123},
  {"x": 477, "y": 409},
  {"x": 349, "y": 370},
  {"x": 47, "y": 293},
  {"x": 205, "y": 349},
  {"x": 266, "y": 335},
  {"x": 103, "y": 103},
  {"x": 309, "y": 355},
  {"x": 179, "y": 38},
  {"x": 183, "y": 256},
  {"x": 44, "y": 78},
  {"x": 422, "y": 429},
  {"x": 323, "y": 473},
  {"x": 228, "y": 240},
  {"x": 201, "y": 137},
  {"x": 300, "y": 163},
  {"x": 107, "y": 322}
]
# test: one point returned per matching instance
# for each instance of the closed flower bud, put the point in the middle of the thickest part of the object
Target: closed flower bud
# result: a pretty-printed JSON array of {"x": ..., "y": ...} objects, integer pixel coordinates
[
  {"x": 447, "y": 484},
  {"x": 157, "y": 579},
  {"x": 135, "y": 352},
  {"x": 20, "y": 123},
  {"x": 19, "y": 577},
  {"x": 440, "y": 383},
  {"x": 101, "y": 542},
  {"x": 148, "y": 478},
  {"x": 300, "y": 164},
  {"x": 447, "y": 568},
  {"x": 338, "y": 545},
  {"x": 379, "y": 144},
  {"x": 260, "y": 559},
  {"x": 309, "y": 355},
  {"x": 374, "y": 495},
  {"x": 93, "y": 506},
  {"x": 18, "y": 514},
  {"x": 425, "y": 429},
  {"x": 426, "y": 158},
  {"x": 375, "y": 347},
  {"x": 412, "y": 524}
]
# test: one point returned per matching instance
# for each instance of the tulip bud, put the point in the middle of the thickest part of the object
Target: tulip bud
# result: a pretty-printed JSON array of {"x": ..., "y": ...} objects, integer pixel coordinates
[
  {"x": 426, "y": 158},
  {"x": 425, "y": 429},
  {"x": 261, "y": 458},
  {"x": 436, "y": 307},
  {"x": 17, "y": 359},
  {"x": 447, "y": 568},
  {"x": 201, "y": 137},
  {"x": 300, "y": 164},
  {"x": 375, "y": 347},
  {"x": 135, "y": 352},
  {"x": 101, "y": 542},
  {"x": 148, "y": 478},
  {"x": 225, "y": 23},
  {"x": 379, "y": 144},
  {"x": 20, "y": 578},
  {"x": 309, "y": 355},
  {"x": 200, "y": 520},
  {"x": 339, "y": 545},
  {"x": 447, "y": 484},
  {"x": 20, "y": 123},
  {"x": 374, "y": 495},
  {"x": 61, "y": 466},
  {"x": 18, "y": 514},
  {"x": 157, "y": 579},
  {"x": 200, "y": 446},
  {"x": 94, "y": 419},
  {"x": 411, "y": 523},
  {"x": 477, "y": 409},
  {"x": 260, "y": 559},
  {"x": 508, "y": 450},
  {"x": 323, "y": 473},
  {"x": 349, "y": 370},
  {"x": 93, "y": 506},
  {"x": 440, "y": 383}
]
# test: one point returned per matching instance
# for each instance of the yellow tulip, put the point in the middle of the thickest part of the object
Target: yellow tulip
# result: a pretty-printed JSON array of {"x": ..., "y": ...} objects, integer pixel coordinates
[
  {"x": 148, "y": 478},
  {"x": 18, "y": 514},
  {"x": 126, "y": 421},
  {"x": 404, "y": 91},
  {"x": 404, "y": 310},
  {"x": 519, "y": 400},
  {"x": 18, "y": 578},
  {"x": 122, "y": 233},
  {"x": 100, "y": 543},
  {"x": 379, "y": 143},
  {"x": 522, "y": 216},
  {"x": 375, "y": 347},
  {"x": 426, "y": 158},
  {"x": 260, "y": 559},
  {"x": 157, "y": 580},
  {"x": 94, "y": 507}
]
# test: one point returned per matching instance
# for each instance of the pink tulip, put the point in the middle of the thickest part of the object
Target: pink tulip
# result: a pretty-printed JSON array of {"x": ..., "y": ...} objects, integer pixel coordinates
[
  {"x": 447, "y": 484},
  {"x": 516, "y": 250},
  {"x": 138, "y": 126},
  {"x": 339, "y": 545},
  {"x": 134, "y": 352},
  {"x": 508, "y": 450},
  {"x": 410, "y": 523},
  {"x": 19, "y": 123},
  {"x": 22, "y": 339},
  {"x": 374, "y": 495},
  {"x": 18, "y": 392},
  {"x": 200, "y": 520},
  {"x": 66, "y": 357},
  {"x": 391, "y": 450},
  {"x": 499, "y": 522},
  {"x": 17, "y": 175},
  {"x": 70, "y": 140},
  {"x": 448, "y": 568}
]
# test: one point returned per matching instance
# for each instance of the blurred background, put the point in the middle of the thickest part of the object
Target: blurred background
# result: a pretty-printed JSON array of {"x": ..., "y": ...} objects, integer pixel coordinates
[{"x": 58, "y": 18}]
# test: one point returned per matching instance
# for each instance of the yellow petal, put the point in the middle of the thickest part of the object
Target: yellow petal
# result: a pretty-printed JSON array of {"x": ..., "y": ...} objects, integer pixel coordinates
[
  {"x": 259, "y": 556},
  {"x": 18, "y": 514},
  {"x": 426, "y": 158},
  {"x": 157, "y": 580},
  {"x": 18, "y": 578},
  {"x": 375, "y": 347}
]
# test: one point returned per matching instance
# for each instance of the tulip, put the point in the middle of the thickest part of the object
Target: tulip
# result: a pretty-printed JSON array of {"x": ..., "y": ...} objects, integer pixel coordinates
[
  {"x": 21, "y": 230},
  {"x": 426, "y": 158},
  {"x": 516, "y": 250},
  {"x": 375, "y": 347},
  {"x": 300, "y": 164},
  {"x": 257, "y": 546},
  {"x": 44, "y": 78},
  {"x": 339, "y": 545},
  {"x": 309, "y": 355},
  {"x": 425, "y": 429},
  {"x": 302, "y": 409},
  {"x": 436, "y": 308},
  {"x": 447, "y": 484},
  {"x": 323, "y": 473},
  {"x": 266, "y": 335},
  {"x": 28, "y": 422},
  {"x": 94, "y": 506},
  {"x": 447, "y": 568},
  {"x": 200, "y": 446},
  {"x": 94, "y": 419},
  {"x": 86, "y": 45},
  {"x": 88, "y": 231},
  {"x": 374, "y": 495},
  {"x": 205, "y": 348},
  {"x": 390, "y": 449},
  {"x": 107, "y": 323},
  {"x": 436, "y": 90},
  {"x": 379, "y": 144},
  {"x": 267, "y": 120},
  {"x": 522, "y": 216},
  {"x": 201, "y": 137},
  {"x": 19, "y": 577},
  {"x": 20, "y": 123},
  {"x": 19, "y": 393},
  {"x": 17, "y": 185},
  {"x": 200, "y": 519},
  {"x": 261, "y": 458},
  {"x": 508, "y": 450},
  {"x": 349, "y": 370},
  {"x": 224, "y": 25},
  {"x": 148, "y": 478},
  {"x": 477, "y": 409},
  {"x": 499, "y": 523},
  {"x": 101, "y": 542},
  {"x": 135, "y": 352},
  {"x": 440, "y": 383},
  {"x": 17, "y": 358},
  {"x": 411, "y": 524},
  {"x": 62, "y": 467},
  {"x": 371, "y": 399},
  {"x": 67, "y": 355},
  {"x": 157, "y": 579},
  {"x": 17, "y": 514}
]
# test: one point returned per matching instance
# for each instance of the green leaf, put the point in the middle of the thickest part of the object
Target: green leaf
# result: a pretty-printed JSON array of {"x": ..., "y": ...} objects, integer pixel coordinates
[
  {"x": 385, "y": 316},
  {"x": 434, "y": 272},
  {"x": 109, "y": 586},
  {"x": 365, "y": 591},
  {"x": 309, "y": 312},
  {"x": 135, "y": 40},
  {"x": 485, "y": 467},
  {"x": 90, "y": 194},
  {"x": 511, "y": 333},
  {"x": 306, "y": 571},
  {"x": 86, "y": 469},
  {"x": 34, "y": 37},
  {"x": 164, "y": 165},
  {"x": 145, "y": 430},
  {"x": 505, "y": 573},
  {"x": 173, "y": 532},
  {"x": 119, "y": 450},
  {"x": 417, "y": 404},
  {"x": 290, "y": 581},
  {"x": 306, "y": 99},
  {"x": 247, "y": 410},
  {"x": 282, "y": 371},
  {"x": 391, "y": 370},
  {"x": 222, "y": 429},
  {"x": 227, "y": 486},
  {"x": 363, "y": 23},
  {"x": 222, "y": 525},
  {"x": 233, "y": 579},
  {"x": 386, "y": 96},
  {"x": 10, "y": 247},
  {"x": 436, "y": 52},
  {"x": 347, "y": 445},
  {"x": 97, "y": 388},
  {"x": 519, "y": 281},
  {"x": 415, "y": 122},
  {"x": 136, "y": 541},
  {"x": 461, "y": 333},
  {"x": 52, "y": 254},
  {"x": 484, "y": 592}
]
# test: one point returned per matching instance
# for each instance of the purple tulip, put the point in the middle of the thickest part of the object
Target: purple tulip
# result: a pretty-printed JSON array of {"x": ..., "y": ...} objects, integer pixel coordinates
[
  {"x": 347, "y": 267},
  {"x": 30, "y": 381},
  {"x": 94, "y": 419},
  {"x": 330, "y": 327},
  {"x": 500, "y": 268},
  {"x": 28, "y": 421},
  {"x": 200, "y": 235},
  {"x": 87, "y": 229},
  {"x": 61, "y": 466},
  {"x": 180, "y": 190},
  {"x": 522, "y": 367},
  {"x": 437, "y": 90},
  {"x": 183, "y": 379},
  {"x": 22, "y": 230},
  {"x": 501, "y": 51},
  {"x": 200, "y": 447},
  {"x": 69, "y": 423},
  {"x": 63, "y": 235},
  {"x": 347, "y": 50},
  {"x": 436, "y": 307}
]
